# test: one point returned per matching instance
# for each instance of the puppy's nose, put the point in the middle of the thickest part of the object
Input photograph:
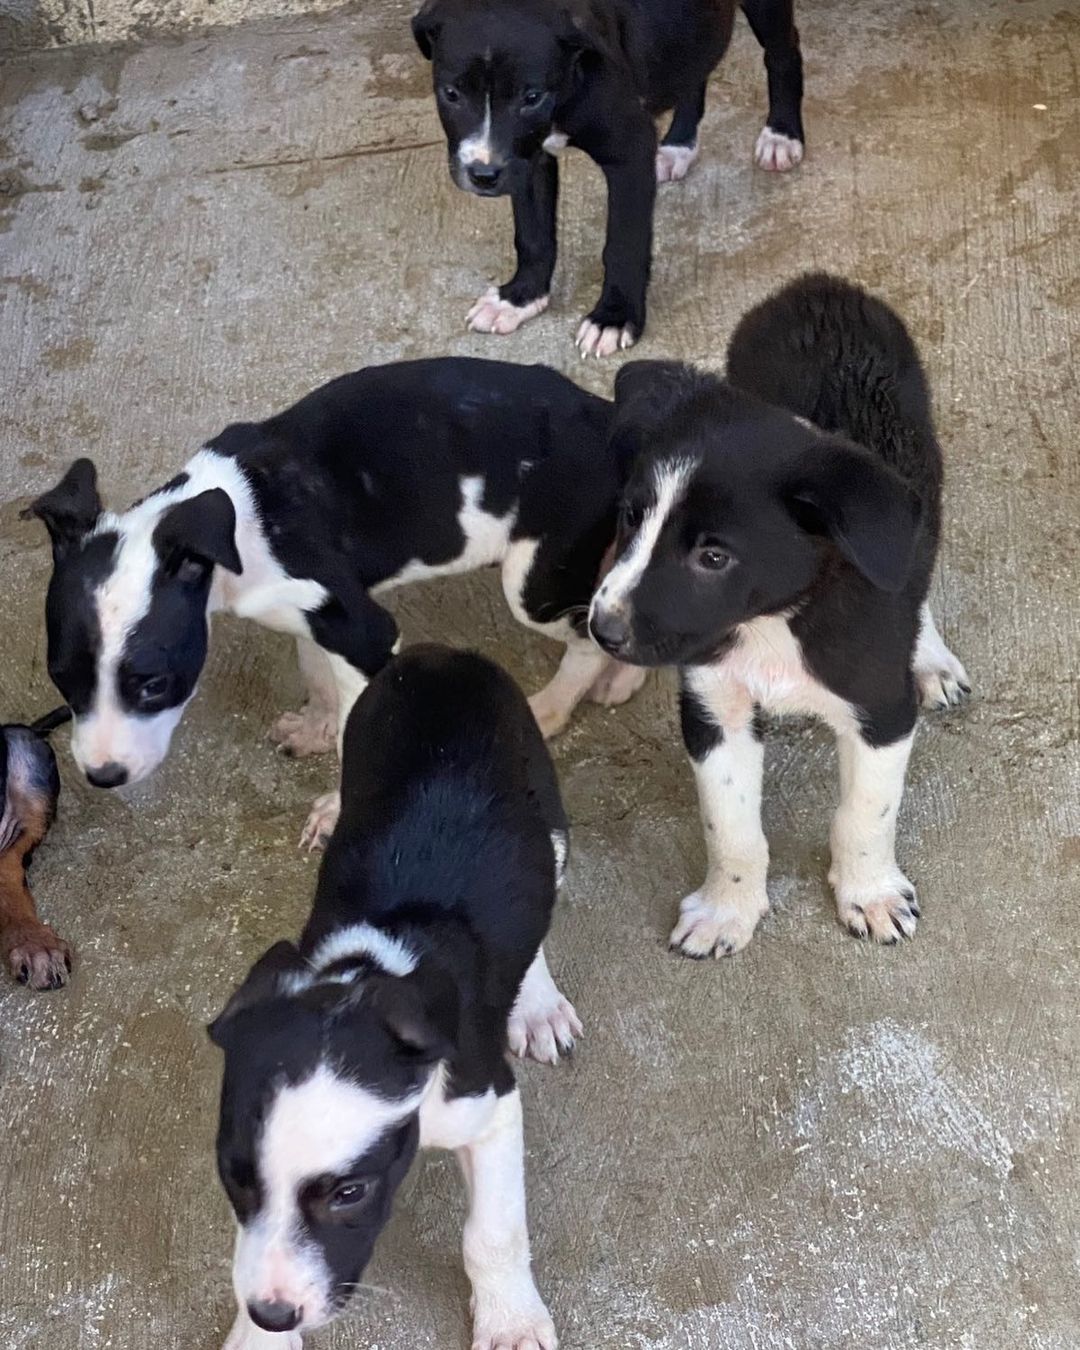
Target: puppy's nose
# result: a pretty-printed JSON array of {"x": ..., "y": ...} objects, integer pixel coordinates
[
  {"x": 610, "y": 629},
  {"x": 274, "y": 1316},
  {"x": 107, "y": 775},
  {"x": 484, "y": 176}
]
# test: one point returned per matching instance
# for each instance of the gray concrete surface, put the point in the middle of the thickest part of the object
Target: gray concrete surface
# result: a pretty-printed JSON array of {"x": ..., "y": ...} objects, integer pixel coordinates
[{"x": 814, "y": 1146}]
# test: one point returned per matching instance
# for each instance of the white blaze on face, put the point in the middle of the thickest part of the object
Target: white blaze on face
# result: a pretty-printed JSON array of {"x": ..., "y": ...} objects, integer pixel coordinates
[
  {"x": 670, "y": 483},
  {"x": 313, "y": 1128},
  {"x": 476, "y": 149}
]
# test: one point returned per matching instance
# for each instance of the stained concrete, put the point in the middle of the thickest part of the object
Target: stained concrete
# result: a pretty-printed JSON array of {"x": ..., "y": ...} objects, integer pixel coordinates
[{"x": 816, "y": 1145}]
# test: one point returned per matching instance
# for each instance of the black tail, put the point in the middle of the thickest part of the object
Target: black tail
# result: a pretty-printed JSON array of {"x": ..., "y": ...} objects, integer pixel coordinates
[{"x": 51, "y": 721}]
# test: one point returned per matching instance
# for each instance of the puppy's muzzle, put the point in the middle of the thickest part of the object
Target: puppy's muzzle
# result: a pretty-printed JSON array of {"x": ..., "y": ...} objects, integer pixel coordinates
[
  {"x": 610, "y": 630},
  {"x": 274, "y": 1316},
  {"x": 486, "y": 180}
]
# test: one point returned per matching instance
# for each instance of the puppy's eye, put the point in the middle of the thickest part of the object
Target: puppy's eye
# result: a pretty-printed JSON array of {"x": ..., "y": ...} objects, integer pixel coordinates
[
  {"x": 632, "y": 515},
  {"x": 153, "y": 690},
  {"x": 709, "y": 554},
  {"x": 532, "y": 97},
  {"x": 451, "y": 93},
  {"x": 350, "y": 1194}
]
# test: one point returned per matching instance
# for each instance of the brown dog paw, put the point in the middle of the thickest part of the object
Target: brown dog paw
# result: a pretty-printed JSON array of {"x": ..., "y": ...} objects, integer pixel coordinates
[{"x": 36, "y": 956}]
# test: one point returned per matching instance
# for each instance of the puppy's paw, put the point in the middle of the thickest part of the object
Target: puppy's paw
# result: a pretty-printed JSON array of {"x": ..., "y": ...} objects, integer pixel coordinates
[
  {"x": 617, "y": 683},
  {"x": 311, "y": 731},
  {"x": 511, "y": 1319},
  {"x": 776, "y": 152},
  {"x": 886, "y": 911},
  {"x": 716, "y": 926},
  {"x": 599, "y": 339},
  {"x": 673, "y": 162},
  {"x": 551, "y": 712},
  {"x": 245, "y": 1335},
  {"x": 490, "y": 314},
  {"x": 36, "y": 956},
  {"x": 543, "y": 1029},
  {"x": 943, "y": 683},
  {"x": 321, "y": 822}
]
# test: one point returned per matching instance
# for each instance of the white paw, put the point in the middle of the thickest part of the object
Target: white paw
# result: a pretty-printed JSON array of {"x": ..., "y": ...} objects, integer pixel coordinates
[
  {"x": 673, "y": 162},
  {"x": 512, "y": 1322},
  {"x": 942, "y": 683},
  {"x": 617, "y": 683},
  {"x": 716, "y": 927},
  {"x": 777, "y": 152},
  {"x": 245, "y": 1335},
  {"x": 551, "y": 713},
  {"x": 592, "y": 340},
  {"x": 492, "y": 315},
  {"x": 311, "y": 731},
  {"x": 542, "y": 1030},
  {"x": 320, "y": 823},
  {"x": 885, "y": 911}
]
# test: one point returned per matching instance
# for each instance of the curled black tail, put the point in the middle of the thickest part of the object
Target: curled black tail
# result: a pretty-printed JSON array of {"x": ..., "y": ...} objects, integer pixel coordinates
[{"x": 51, "y": 721}]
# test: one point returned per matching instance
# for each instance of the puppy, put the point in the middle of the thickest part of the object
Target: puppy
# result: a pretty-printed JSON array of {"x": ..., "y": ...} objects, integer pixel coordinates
[
  {"x": 386, "y": 1029},
  {"x": 779, "y": 553},
  {"x": 30, "y": 787},
  {"x": 517, "y": 81},
  {"x": 388, "y": 475}
]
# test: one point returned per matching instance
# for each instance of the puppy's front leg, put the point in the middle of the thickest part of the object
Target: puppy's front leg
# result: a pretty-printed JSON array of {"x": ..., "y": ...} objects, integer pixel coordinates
[
  {"x": 508, "y": 1312},
  {"x": 619, "y": 318},
  {"x": 728, "y": 757},
  {"x": 503, "y": 309},
  {"x": 873, "y": 896}
]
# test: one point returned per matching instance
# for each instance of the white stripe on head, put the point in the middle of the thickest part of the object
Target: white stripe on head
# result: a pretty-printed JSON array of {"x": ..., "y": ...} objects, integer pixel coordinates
[
  {"x": 670, "y": 480},
  {"x": 476, "y": 149},
  {"x": 358, "y": 939},
  {"x": 313, "y": 1128}
]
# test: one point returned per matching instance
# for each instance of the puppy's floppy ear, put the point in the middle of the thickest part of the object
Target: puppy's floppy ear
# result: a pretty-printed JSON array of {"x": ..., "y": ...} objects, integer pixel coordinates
[
  {"x": 591, "y": 34},
  {"x": 70, "y": 509},
  {"x": 261, "y": 982},
  {"x": 864, "y": 506},
  {"x": 646, "y": 395},
  {"x": 199, "y": 532},
  {"x": 422, "y": 1018},
  {"x": 426, "y": 25}
]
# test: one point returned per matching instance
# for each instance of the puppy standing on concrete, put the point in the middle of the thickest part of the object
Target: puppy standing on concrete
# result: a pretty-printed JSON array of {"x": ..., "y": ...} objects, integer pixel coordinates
[
  {"x": 386, "y": 1029},
  {"x": 780, "y": 554},
  {"x": 388, "y": 475},
  {"x": 29, "y": 788},
  {"x": 518, "y": 80}
]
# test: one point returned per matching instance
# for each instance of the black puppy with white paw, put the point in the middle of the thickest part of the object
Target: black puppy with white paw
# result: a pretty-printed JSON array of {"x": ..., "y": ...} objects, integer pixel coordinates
[
  {"x": 385, "y": 1030},
  {"x": 779, "y": 553},
  {"x": 517, "y": 81}
]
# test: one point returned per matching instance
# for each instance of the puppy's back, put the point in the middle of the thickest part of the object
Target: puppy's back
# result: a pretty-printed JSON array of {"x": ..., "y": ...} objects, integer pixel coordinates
[{"x": 829, "y": 352}]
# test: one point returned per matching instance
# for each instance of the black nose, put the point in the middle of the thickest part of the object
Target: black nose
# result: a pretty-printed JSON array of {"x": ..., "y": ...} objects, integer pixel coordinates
[
  {"x": 274, "y": 1316},
  {"x": 610, "y": 630},
  {"x": 484, "y": 175},
  {"x": 108, "y": 775}
]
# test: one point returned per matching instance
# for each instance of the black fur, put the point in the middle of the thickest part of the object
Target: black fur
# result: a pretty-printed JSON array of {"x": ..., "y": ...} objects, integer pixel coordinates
[{"x": 597, "y": 71}]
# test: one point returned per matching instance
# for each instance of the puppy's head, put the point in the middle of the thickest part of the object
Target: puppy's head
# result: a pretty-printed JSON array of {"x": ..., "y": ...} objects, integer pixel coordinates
[
  {"x": 731, "y": 510},
  {"x": 126, "y": 615},
  {"x": 319, "y": 1124},
  {"x": 500, "y": 72}
]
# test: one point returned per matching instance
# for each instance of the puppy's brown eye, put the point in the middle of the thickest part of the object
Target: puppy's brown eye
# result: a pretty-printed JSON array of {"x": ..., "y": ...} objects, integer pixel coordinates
[
  {"x": 531, "y": 98},
  {"x": 632, "y": 515},
  {"x": 451, "y": 94},
  {"x": 351, "y": 1194},
  {"x": 709, "y": 554}
]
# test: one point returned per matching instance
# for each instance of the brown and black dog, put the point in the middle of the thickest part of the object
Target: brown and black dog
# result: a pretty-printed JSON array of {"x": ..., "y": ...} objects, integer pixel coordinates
[{"x": 30, "y": 786}]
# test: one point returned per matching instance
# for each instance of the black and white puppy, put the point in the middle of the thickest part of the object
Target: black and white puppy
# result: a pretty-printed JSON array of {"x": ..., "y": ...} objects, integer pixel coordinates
[
  {"x": 385, "y": 1030},
  {"x": 779, "y": 553},
  {"x": 388, "y": 475},
  {"x": 518, "y": 80}
]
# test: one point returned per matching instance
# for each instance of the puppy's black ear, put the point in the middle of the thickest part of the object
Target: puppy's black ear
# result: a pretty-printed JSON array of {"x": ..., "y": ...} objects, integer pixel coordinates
[
  {"x": 261, "y": 982},
  {"x": 421, "y": 1018},
  {"x": 70, "y": 509},
  {"x": 592, "y": 34},
  {"x": 864, "y": 506},
  {"x": 646, "y": 395},
  {"x": 195, "y": 534},
  {"x": 426, "y": 25}
]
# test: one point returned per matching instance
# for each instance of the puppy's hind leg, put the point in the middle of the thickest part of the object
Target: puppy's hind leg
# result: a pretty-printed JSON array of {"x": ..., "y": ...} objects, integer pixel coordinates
[
  {"x": 942, "y": 680},
  {"x": 679, "y": 148},
  {"x": 312, "y": 730},
  {"x": 542, "y": 1022}
]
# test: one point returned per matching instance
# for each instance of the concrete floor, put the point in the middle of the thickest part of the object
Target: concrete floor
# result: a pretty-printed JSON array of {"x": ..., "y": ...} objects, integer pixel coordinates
[{"x": 815, "y": 1145}]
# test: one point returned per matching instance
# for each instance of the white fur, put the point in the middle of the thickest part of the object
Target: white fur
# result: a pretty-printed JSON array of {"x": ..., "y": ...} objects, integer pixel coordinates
[
  {"x": 542, "y": 1021},
  {"x": 775, "y": 151},
  {"x": 476, "y": 149},
  {"x": 245, "y": 1335},
  {"x": 669, "y": 484},
  {"x": 313, "y": 1127},
  {"x": 487, "y": 538},
  {"x": 560, "y": 847},
  {"x": 313, "y": 729},
  {"x": 673, "y": 162},
  {"x": 491, "y": 314},
  {"x": 580, "y": 668},
  {"x": 393, "y": 955},
  {"x": 556, "y": 141},
  {"x": 943, "y": 682}
]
